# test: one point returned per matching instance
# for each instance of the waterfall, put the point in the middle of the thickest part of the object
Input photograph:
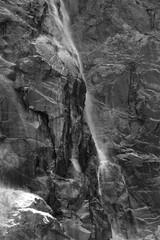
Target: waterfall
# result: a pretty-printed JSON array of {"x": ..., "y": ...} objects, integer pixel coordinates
[
  {"x": 62, "y": 20},
  {"x": 66, "y": 45},
  {"x": 111, "y": 181}
]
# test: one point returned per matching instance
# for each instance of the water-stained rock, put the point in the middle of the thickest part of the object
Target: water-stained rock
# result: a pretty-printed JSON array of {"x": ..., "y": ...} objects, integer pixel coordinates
[
  {"x": 119, "y": 44},
  {"x": 42, "y": 92},
  {"x": 42, "y": 132}
]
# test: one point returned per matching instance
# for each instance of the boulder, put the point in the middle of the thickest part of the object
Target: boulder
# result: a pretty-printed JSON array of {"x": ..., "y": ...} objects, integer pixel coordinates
[{"x": 27, "y": 216}]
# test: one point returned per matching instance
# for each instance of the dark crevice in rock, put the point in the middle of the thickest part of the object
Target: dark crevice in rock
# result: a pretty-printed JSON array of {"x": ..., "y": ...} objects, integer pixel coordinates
[
  {"x": 40, "y": 22},
  {"x": 3, "y": 27},
  {"x": 64, "y": 151},
  {"x": 85, "y": 147},
  {"x": 151, "y": 14},
  {"x": 45, "y": 118}
]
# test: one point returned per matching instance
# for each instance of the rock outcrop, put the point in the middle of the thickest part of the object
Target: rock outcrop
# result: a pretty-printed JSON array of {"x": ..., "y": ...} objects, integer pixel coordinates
[
  {"x": 45, "y": 143},
  {"x": 119, "y": 42},
  {"x": 45, "y": 146},
  {"x": 42, "y": 93},
  {"x": 26, "y": 216}
]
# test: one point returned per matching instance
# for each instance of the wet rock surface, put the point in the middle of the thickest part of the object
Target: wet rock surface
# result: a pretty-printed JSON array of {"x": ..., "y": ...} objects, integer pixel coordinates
[
  {"x": 119, "y": 42},
  {"x": 42, "y": 93},
  {"x": 27, "y": 216},
  {"x": 45, "y": 146}
]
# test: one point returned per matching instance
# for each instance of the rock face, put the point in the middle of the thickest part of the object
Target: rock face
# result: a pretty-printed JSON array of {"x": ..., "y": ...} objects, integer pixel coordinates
[
  {"x": 120, "y": 46},
  {"x": 45, "y": 146},
  {"x": 26, "y": 216},
  {"x": 42, "y": 92}
]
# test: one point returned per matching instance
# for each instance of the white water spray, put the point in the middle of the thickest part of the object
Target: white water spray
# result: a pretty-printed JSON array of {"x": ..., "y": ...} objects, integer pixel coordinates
[
  {"x": 62, "y": 34},
  {"x": 68, "y": 54},
  {"x": 67, "y": 40},
  {"x": 64, "y": 23},
  {"x": 62, "y": 20},
  {"x": 107, "y": 170},
  {"x": 88, "y": 113}
]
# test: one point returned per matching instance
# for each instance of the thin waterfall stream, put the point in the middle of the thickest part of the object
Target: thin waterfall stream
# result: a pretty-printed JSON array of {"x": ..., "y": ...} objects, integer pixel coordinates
[
  {"x": 109, "y": 188},
  {"x": 63, "y": 21},
  {"x": 80, "y": 119},
  {"x": 111, "y": 182}
]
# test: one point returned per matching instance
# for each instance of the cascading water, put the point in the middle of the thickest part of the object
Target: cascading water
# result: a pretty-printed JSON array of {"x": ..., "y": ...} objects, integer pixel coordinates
[
  {"x": 111, "y": 181},
  {"x": 64, "y": 42},
  {"x": 62, "y": 20},
  {"x": 68, "y": 53},
  {"x": 57, "y": 24}
]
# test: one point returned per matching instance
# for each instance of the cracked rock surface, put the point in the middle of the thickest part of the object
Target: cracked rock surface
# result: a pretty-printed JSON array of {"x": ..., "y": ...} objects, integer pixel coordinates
[
  {"x": 119, "y": 42},
  {"x": 27, "y": 216},
  {"x": 41, "y": 96},
  {"x": 45, "y": 146}
]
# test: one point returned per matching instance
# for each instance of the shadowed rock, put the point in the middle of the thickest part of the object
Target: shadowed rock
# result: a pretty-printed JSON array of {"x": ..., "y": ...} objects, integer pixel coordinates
[
  {"x": 119, "y": 44},
  {"x": 42, "y": 133}
]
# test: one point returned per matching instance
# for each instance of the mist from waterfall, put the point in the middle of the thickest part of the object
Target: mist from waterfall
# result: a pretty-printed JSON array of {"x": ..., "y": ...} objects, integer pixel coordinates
[
  {"x": 62, "y": 35},
  {"x": 64, "y": 40},
  {"x": 107, "y": 171},
  {"x": 104, "y": 164},
  {"x": 62, "y": 19},
  {"x": 68, "y": 54},
  {"x": 88, "y": 113}
]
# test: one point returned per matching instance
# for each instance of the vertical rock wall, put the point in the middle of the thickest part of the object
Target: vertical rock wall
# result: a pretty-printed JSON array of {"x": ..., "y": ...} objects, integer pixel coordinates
[
  {"x": 120, "y": 46},
  {"x": 45, "y": 147},
  {"x": 42, "y": 92}
]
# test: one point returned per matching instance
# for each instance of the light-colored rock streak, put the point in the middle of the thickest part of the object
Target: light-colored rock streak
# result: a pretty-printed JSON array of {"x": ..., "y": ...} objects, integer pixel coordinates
[
  {"x": 23, "y": 214},
  {"x": 69, "y": 56}
]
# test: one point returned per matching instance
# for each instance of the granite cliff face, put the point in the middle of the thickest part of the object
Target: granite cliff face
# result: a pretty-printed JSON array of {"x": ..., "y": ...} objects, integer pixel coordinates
[
  {"x": 42, "y": 92},
  {"x": 119, "y": 42},
  {"x": 26, "y": 216},
  {"x": 45, "y": 146}
]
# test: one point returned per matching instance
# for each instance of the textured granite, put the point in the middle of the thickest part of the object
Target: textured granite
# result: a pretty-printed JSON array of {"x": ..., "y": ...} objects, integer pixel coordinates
[
  {"x": 45, "y": 146},
  {"x": 119, "y": 42}
]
